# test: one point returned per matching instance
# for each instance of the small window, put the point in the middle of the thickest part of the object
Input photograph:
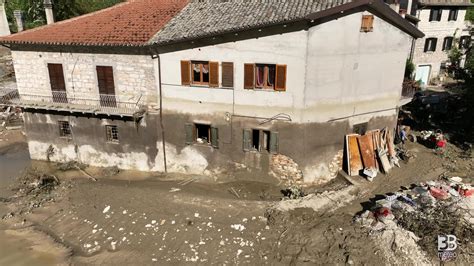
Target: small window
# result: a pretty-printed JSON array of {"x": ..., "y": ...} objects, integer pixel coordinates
[
  {"x": 367, "y": 23},
  {"x": 227, "y": 74},
  {"x": 435, "y": 14},
  {"x": 360, "y": 128},
  {"x": 260, "y": 140},
  {"x": 430, "y": 44},
  {"x": 202, "y": 134},
  {"x": 265, "y": 77},
  {"x": 453, "y": 14},
  {"x": 64, "y": 129},
  {"x": 200, "y": 73},
  {"x": 112, "y": 134},
  {"x": 447, "y": 43},
  {"x": 464, "y": 42}
]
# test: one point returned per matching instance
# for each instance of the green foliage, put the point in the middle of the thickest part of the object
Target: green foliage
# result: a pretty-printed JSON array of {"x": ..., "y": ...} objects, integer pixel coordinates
[
  {"x": 455, "y": 55},
  {"x": 34, "y": 15},
  {"x": 470, "y": 13},
  {"x": 409, "y": 69}
]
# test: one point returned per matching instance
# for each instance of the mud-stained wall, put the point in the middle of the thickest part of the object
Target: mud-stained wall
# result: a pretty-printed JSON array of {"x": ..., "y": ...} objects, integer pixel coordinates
[{"x": 134, "y": 75}]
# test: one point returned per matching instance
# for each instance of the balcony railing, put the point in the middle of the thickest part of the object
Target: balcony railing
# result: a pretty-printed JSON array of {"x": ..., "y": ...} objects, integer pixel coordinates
[{"x": 60, "y": 101}]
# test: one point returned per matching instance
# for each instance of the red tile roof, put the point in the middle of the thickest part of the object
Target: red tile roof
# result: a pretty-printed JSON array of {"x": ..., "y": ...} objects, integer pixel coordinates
[{"x": 132, "y": 23}]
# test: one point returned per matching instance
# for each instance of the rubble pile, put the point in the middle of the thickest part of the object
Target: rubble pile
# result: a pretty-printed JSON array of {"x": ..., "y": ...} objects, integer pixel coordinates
[
  {"x": 286, "y": 169},
  {"x": 424, "y": 211}
]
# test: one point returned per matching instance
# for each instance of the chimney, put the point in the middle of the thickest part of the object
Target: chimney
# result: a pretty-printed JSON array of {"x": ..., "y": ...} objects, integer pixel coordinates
[
  {"x": 18, "y": 14},
  {"x": 48, "y": 9},
  {"x": 4, "y": 27}
]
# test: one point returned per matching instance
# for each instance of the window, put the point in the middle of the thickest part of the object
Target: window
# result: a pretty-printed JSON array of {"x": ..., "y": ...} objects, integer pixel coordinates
[
  {"x": 56, "y": 80},
  {"x": 447, "y": 43},
  {"x": 260, "y": 140},
  {"x": 464, "y": 42},
  {"x": 430, "y": 44},
  {"x": 367, "y": 23},
  {"x": 105, "y": 80},
  {"x": 360, "y": 128},
  {"x": 227, "y": 74},
  {"x": 265, "y": 76},
  {"x": 453, "y": 14},
  {"x": 202, "y": 134},
  {"x": 112, "y": 134},
  {"x": 202, "y": 73},
  {"x": 64, "y": 129},
  {"x": 435, "y": 14}
]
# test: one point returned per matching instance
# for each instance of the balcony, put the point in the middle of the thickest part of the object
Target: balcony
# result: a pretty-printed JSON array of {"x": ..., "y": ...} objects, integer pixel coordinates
[{"x": 103, "y": 104}]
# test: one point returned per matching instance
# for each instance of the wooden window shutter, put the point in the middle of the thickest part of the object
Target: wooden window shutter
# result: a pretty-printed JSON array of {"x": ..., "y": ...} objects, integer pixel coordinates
[
  {"x": 274, "y": 142},
  {"x": 213, "y": 74},
  {"x": 367, "y": 23},
  {"x": 247, "y": 139},
  {"x": 227, "y": 74},
  {"x": 189, "y": 130},
  {"x": 280, "y": 84},
  {"x": 185, "y": 72},
  {"x": 249, "y": 76},
  {"x": 214, "y": 137}
]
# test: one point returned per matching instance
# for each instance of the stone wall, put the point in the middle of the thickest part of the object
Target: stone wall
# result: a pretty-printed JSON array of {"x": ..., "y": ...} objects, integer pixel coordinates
[{"x": 134, "y": 75}]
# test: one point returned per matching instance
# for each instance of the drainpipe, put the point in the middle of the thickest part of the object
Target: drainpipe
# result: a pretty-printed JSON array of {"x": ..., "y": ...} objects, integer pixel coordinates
[
  {"x": 4, "y": 28},
  {"x": 156, "y": 55},
  {"x": 48, "y": 9},
  {"x": 19, "y": 19}
]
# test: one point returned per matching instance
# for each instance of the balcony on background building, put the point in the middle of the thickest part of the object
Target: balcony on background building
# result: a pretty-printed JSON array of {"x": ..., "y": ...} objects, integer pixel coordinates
[{"x": 102, "y": 104}]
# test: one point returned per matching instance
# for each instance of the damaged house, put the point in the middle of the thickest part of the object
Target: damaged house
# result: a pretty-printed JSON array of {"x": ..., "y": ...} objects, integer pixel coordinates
[{"x": 211, "y": 87}]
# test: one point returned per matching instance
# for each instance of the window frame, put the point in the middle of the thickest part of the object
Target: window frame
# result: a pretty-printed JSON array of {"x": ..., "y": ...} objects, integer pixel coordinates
[
  {"x": 191, "y": 134},
  {"x": 250, "y": 77},
  {"x": 201, "y": 82},
  {"x": 453, "y": 14},
  {"x": 62, "y": 129},
  {"x": 464, "y": 44},
  {"x": 427, "y": 47},
  {"x": 110, "y": 137},
  {"x": 264, "y": 144},
  {"x": 438, "y": 14},
  {"x": 445, "y": 42},
  {"x": 367, "y": 23},
  {"x": 266, "y": 73}
]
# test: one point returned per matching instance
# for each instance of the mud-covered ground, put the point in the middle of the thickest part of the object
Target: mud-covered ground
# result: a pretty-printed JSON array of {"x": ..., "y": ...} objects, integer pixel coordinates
[{"x": 140, "y": 219}]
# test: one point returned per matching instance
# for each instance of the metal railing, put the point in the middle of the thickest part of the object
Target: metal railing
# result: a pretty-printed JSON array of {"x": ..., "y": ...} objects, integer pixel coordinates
[{"x": 61, "y": 101}]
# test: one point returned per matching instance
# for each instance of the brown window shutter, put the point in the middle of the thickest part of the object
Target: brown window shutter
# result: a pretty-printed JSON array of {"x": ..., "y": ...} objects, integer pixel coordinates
[
  {"x": 249, "y": 76},
  {"x": 105, "y": 79},
  {"x": 280, "y": 84},
  {"x": 367, "y": 23},
  {"x": 227, "y": 74},
  {"x": 185, "y": 72},
  {"x": 213, "y": 74}
]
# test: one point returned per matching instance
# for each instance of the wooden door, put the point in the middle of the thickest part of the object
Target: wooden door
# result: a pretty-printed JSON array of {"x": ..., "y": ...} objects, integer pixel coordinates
[
  {"x": 58, "y": 86},
  {"x": 105, "y": 79}
]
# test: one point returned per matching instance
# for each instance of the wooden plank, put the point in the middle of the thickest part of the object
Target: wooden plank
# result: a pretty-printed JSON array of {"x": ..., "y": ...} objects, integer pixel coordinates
[
  {"x": 367, "y": 151},
  {"x": 384, "y": 162},
  {"x": 355, "y": 161}
]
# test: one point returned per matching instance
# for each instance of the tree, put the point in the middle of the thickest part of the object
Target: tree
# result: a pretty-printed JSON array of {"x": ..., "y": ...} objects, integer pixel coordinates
[
  {"x": 34, "y": 15},
  {"x": 470, "y": 13},
  {"x": 409, "y": 69}
]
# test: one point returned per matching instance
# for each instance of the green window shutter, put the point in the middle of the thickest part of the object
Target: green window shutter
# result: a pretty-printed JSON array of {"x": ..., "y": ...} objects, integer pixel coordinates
[
  {"x": 273, "y": 142},
  {"x": 189, "y": 129},
  {"x": 247, "y": 141},
  {"x": 214, "y": 137}
]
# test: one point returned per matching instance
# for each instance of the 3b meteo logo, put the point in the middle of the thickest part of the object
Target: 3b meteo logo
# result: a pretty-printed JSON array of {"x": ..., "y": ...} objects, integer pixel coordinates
[{"x": 447, "y": 246}]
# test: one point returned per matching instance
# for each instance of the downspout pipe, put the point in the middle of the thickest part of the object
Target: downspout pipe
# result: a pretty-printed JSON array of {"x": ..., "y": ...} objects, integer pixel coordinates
[{"x": 156, "y": 55}]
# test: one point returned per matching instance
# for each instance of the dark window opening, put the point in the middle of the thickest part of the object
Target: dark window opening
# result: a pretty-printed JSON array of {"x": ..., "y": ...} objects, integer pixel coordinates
[
  {"x": 453, "y": 14},
  {"x": 265, "y": 76},
  {"x": 64, "y": 129},
  {"x": 447, "y": 43},
  {"x": 200, "y": 73},
  {"x": 430, "y": 44},
  {"x": 360, "y": 128},
  {"x": 464, "y": 42},
  {"x": 435, "y": 14},
  {"x": 260, "y": 140},
  {"x": 203, "y": 133},
  {"x": 256, "y": 139},
  {"x": 112, "y": 133}
]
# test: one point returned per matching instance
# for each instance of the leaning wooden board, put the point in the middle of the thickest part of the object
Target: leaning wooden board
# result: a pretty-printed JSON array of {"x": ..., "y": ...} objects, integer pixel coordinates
[
  {"x": 367, "y": 151},
  {"x": 355, "y": 161}
]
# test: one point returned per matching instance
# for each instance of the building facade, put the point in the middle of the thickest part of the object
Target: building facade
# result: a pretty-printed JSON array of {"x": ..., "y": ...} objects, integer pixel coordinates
[{"x": 231, "y": 99}]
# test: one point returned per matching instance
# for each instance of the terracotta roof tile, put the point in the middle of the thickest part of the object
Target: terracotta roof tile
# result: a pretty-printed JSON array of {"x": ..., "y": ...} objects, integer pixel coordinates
[{"x": 132, "y": 23}]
